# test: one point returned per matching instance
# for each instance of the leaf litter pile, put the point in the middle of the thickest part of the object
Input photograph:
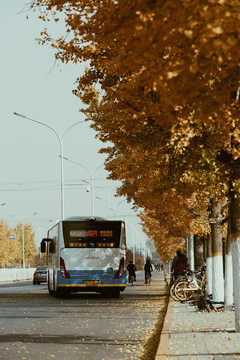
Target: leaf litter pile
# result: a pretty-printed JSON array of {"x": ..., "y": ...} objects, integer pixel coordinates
[{"x": 131, "y": 325}]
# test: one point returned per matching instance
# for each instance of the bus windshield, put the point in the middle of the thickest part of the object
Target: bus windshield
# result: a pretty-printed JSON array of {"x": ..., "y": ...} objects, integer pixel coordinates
[{"x": 92, "y": 234}]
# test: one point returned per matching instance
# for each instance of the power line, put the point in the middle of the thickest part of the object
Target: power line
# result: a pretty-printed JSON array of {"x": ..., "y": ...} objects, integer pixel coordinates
[{"x": 20, "y": 183}]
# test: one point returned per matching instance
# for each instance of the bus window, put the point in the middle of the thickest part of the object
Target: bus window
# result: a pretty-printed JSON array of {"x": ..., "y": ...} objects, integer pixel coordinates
[
  {"x": 53, "y": 246},
  {"x": 99, "y": 234}
]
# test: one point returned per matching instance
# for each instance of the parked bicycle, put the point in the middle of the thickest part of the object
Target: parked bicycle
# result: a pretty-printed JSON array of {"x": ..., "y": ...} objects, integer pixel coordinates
[
  {"x": 185, "y": 289},
  {"x": 188, "y": 276},
  {"x": 191, "y": 286}
]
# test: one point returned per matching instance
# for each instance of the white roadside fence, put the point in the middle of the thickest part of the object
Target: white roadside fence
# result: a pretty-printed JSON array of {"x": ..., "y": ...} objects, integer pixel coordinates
[{"x": 16, "y": 274}]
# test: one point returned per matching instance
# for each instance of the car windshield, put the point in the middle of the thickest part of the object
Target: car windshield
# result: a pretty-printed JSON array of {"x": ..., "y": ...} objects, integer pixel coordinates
[{"x": 41, "y": 268}]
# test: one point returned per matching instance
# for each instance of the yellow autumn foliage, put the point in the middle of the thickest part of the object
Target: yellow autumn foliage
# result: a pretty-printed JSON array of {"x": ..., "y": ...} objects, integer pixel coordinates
[{"x": 168, "y": 74}]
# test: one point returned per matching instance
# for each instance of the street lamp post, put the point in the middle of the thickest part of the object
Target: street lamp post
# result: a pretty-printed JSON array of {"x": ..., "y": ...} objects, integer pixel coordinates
[{"x": 60, "y": 139}]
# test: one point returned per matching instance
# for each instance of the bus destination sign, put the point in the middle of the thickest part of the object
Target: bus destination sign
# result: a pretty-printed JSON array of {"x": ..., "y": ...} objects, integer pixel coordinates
[{"x": 90, "y": 233}]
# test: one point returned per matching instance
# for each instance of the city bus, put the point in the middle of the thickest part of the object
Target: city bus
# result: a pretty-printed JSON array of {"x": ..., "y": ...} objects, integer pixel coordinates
[{"x": 86, "y": 254}]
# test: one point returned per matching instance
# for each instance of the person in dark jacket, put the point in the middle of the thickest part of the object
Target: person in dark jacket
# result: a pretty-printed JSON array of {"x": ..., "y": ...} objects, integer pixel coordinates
[
  {"x": 179, "y": 263},
  {"x": 131, "y": 271},
  {"x": 148, "y": 270}
]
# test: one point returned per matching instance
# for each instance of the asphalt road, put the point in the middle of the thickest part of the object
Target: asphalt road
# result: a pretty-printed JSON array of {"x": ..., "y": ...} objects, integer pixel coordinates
[{"x": 37, "y": 326}]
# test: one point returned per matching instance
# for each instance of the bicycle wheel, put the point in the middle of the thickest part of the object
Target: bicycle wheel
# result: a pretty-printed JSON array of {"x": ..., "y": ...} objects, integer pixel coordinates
[
  {"x": 148, "y": 280},
  {"x": 172, "y": 292},
  {"x": 183, "y": 291}
]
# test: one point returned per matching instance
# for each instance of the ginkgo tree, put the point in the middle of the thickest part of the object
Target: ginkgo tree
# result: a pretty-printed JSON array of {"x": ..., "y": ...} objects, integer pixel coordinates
[
  {"x": 30, "y": 250},
  {"x": 168, "y": 75},
  {"x": 9, "y": 249},
  {"x": 11, "y": 254}
]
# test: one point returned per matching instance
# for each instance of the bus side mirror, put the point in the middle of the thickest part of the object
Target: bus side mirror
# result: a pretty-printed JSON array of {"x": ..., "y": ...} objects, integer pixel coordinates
[{"x": 43, "y": 246}]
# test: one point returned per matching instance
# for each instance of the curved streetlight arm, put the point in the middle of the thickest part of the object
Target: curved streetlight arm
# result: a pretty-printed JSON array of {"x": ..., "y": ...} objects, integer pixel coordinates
[
  {"x": 92, "y": 185},
  {"x": 99, "y": 167},
  {"x": 120, "y": 203},
  {"x": 61, "y": 153},
  {"x": 61, "y": 149},
  {"x": 109, "y": 205},
  {"x": 77, "y": 123},
  {"x": 39, "y": 122},
  {"x": 77, "y": 163},
  {"x": 50, "y": 127}
]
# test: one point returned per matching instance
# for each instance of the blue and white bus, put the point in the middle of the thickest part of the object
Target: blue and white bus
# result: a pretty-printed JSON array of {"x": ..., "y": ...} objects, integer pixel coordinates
[{"x": 86, "y": 254}]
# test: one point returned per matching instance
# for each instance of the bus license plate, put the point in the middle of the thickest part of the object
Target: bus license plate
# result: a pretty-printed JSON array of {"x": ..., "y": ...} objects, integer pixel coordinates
[{"x": 92, "y": 283}]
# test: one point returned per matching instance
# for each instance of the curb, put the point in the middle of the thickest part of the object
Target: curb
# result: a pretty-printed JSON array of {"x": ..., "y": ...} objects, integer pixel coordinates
[{"x": 164, "y": 338}]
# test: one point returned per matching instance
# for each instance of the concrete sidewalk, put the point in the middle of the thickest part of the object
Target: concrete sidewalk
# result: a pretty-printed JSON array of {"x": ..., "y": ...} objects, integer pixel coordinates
[{"x": 191, "y": 334}]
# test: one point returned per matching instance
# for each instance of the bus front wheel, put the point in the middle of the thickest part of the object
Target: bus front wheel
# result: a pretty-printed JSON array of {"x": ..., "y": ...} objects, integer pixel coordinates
[{"x": 51, "y": 292}]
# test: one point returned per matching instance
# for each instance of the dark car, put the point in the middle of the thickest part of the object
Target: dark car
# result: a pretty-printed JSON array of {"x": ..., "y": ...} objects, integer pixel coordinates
[{"x": 40, "y": 275}]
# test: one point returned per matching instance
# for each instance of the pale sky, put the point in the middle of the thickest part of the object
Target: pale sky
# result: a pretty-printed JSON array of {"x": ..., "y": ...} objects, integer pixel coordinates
[{"x": 30, "y": 163}]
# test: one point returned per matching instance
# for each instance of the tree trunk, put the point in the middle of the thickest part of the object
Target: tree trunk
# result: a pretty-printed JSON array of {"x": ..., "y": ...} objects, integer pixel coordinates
[
  {"x": 228, "y": 291},
  {"x": 205, "y": 249},
  {"x": 217, "y": 258},
  {"x": 198, "y": 251},
  {"x": 209, "y": 264},
  {"x": 234, "y": 216},
  {"x": 190, "y": 248},
  {"x": 224, "y": 254}
]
